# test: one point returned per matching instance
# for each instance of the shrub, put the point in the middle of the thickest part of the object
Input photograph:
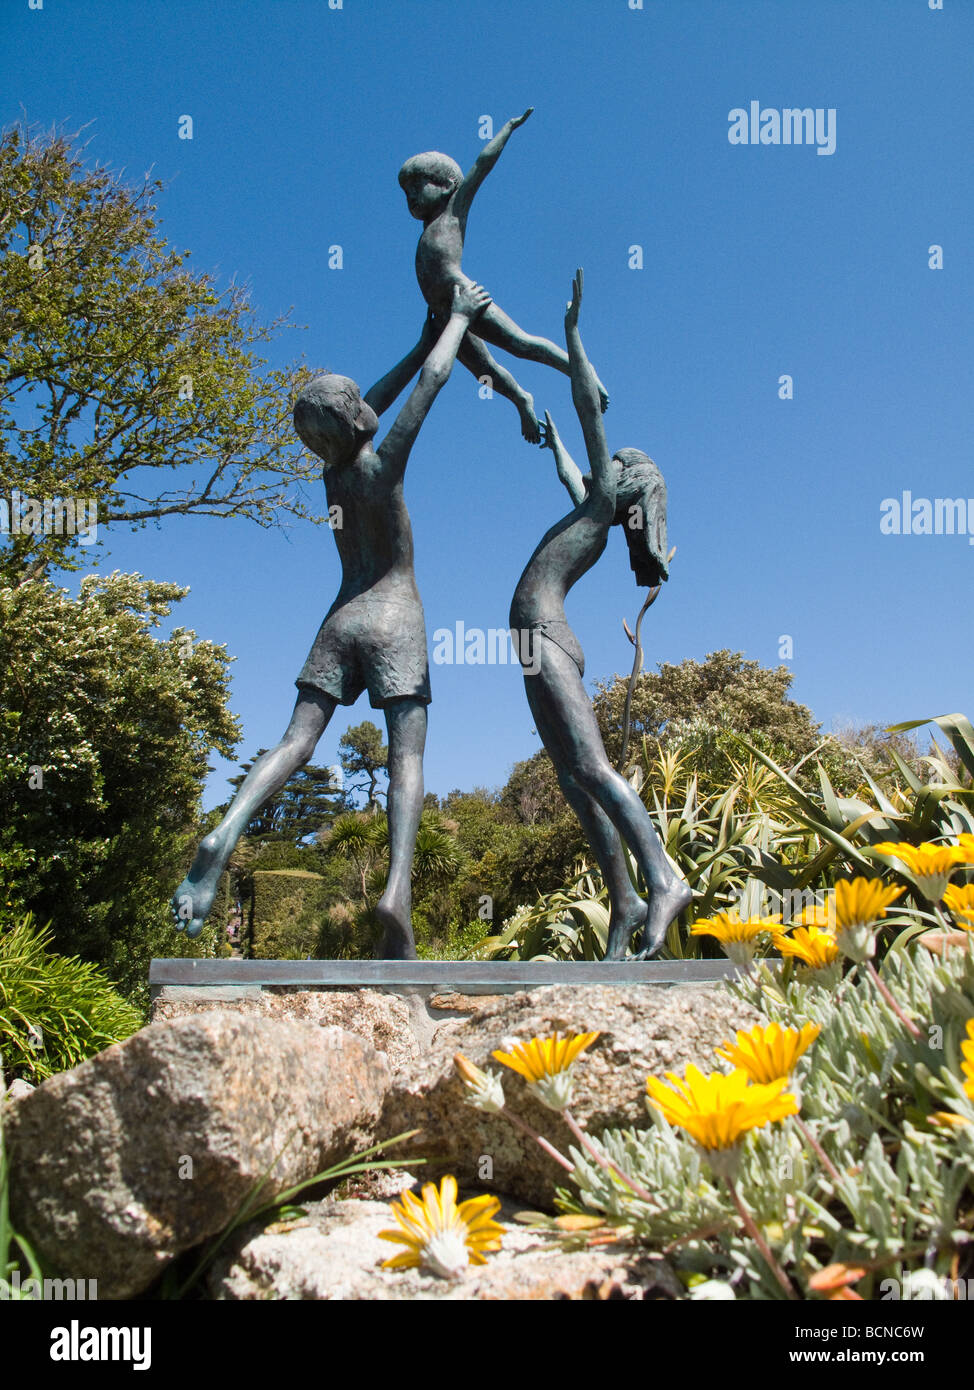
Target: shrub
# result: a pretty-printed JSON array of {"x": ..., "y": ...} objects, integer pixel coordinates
[
  {"x": 288, "y": 914},
  {"x": 833, "y": 1154},
  {"x": 54, "y": 1010}
]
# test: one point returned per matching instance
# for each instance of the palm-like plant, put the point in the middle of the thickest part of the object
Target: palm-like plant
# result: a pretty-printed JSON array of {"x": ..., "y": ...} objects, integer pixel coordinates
[
  {"x": 762, "y": 842},
  {"x": 361, "y": 839}
]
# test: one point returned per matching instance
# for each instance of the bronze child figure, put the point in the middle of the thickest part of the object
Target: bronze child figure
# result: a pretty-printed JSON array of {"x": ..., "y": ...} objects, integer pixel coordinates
[
  {"x": 439, "y": 196},
  {"x": 374, "y": 635},
  {"x": 625, "y": 487}
]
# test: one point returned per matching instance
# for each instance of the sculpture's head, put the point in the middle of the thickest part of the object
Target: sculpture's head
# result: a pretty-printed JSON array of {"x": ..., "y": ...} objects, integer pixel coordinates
[
  {"x": 428, "y": 181},
  {"x": 641, "y": 512},
  {"x": 332, "y": 419}
]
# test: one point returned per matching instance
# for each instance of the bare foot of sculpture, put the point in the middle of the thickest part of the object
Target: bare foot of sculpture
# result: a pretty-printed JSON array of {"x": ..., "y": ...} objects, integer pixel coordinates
[
  {"x": 398, "y": 942},
  {"x": 530, "y": 428},
  {"x": 663, "y": 908},
  {"x": 621, "y": 930},
  {"x": 193, "y": 899}
]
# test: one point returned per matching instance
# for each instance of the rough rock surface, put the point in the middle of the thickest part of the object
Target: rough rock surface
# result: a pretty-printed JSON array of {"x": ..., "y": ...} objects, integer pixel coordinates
[
  {"x": 149, "y": 1148},
  {"x": 384, "y": 1020},
  {"x": 642, "y": 1032},
  {"x": 335, "y": 1253},
  {"x": 18, "y": 1089}
]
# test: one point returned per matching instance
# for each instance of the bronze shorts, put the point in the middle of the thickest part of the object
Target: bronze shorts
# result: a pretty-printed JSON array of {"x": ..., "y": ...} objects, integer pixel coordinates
[{"x": 373, "y": 644}]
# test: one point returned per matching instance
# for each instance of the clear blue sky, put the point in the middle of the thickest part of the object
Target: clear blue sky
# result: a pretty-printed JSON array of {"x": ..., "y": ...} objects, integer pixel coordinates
[{"x": 758, "y": 261}]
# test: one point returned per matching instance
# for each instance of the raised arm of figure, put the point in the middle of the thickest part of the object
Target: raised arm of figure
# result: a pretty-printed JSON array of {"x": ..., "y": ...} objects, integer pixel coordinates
[
  {"x": 585, "y": 394},
  {"x": 483, "y": 164},
  {"x": 568, "y": 470},
  {"x": 468, "y": 301},
  {"x": 381, "y": 396}
]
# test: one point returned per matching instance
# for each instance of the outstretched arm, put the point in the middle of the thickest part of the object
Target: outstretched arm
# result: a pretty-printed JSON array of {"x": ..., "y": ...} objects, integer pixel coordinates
[
  {"x": 483, "y": 164},
  {"x": 585, "y": 394},
  {"x": 381, "y": 396},
  {"x": 468, "y": 301},
  {"x": 568, "y": 470}
]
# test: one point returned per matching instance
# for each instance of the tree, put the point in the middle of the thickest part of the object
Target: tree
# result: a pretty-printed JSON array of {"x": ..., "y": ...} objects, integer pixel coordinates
[
  {"x": 306, "y": 805},
  {"x": 531, "y": 792},
  {"x": 104, "y": 740},
  {"x": 128, "y": 381},
  {"x": 362, "y": 754},
  {"x": 724, "y": 691}
]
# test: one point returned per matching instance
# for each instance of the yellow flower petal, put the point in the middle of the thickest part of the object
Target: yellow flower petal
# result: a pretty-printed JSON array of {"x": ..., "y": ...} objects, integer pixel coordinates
[
  {"x": 960, "y": 900},
  {"x": 769, "y": 1053},
  {"x": 542, "y": 1057},
  {"x": 811, "y": 945},
  {"x": 717, "y": 1110},
  {"x": 436, "y": 1230}
]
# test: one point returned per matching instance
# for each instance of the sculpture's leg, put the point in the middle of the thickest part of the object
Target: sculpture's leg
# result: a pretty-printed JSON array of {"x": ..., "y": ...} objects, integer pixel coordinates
[
  {"x": 193, "y": 899},
  {"x": 499, "y": 329},
  {"x": 558, "y": 686},
  {"x": 406, "y": 723},
  {"x": 475, "y": 357},
  {"x": 627, "y": 911}
]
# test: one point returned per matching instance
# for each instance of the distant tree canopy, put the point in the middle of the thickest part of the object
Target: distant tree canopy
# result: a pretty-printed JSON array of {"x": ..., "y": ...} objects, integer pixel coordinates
[
  {"x": 308, "y": 802},
  {"x": 723, "y": 689},
  {"x": 125, "y": 379},
  {"x": 531, "y": 793},
  {"x": 364, "y": 757}
]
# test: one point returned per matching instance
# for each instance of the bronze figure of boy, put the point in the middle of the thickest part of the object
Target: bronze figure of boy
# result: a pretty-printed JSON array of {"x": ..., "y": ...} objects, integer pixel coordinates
[
  {"x": 374, "y": 636},
  {"x": 439, "y": 196}
]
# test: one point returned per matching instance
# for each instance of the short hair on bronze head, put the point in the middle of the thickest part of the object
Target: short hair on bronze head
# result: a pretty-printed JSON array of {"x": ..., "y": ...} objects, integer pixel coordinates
[
  {"x": 329, "y": 394},
  {"x": 641, "y": 512},
  {"x": 440, "y": 168}
]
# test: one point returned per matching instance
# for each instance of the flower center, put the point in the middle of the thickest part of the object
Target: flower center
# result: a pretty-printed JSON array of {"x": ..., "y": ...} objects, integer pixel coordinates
[{"x": 446, "y": 1251}]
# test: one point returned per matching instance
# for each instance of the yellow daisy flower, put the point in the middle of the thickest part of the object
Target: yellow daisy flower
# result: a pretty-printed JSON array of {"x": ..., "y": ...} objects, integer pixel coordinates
[
  {"x": 545, "y": 1064},
  {"x": 483, "y": 1088},
  {"x": 857, "y": 902},
  {"x": 814, "y": 947},
  {"x": 960, "y": 900},
  {"x": 967, "y": 1066},
  {"x": 717, "y": 1110},
  {"x": 965, "y": 849},
  {"x": 947, "y": 1119},
  {"x": 441, "y": 1235},
  {"x": 852, "y": 910},
  {"x": 930, "y": 866},
  {"x": 737, "y": 938},
  {"x": 767, "y": 1054}
]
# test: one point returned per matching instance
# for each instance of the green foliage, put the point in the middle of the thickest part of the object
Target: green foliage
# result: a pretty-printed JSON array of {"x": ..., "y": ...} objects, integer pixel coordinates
[
  {"x": 360, "y": 841},
  {"x": 531, "y": 793},
  {"x": 762, "y": 841},
  {"x": 117, "y": 358},
  {"x": 842, "y": 831},
  {"x": 723, "y": 691},
  {"x": 304, "y": 807},
  {"x": 570, "y": 924},
  {"x": 895, "y": 1193},
  {"x": 288, "y": 912},
  {"x": 697, "y": 711},
  {"x": 15, "y": 1252},
  {"x": 54, "y": 1010},
  {"x": 362, "y": 754},
  {"x": 103, "y": 751}
]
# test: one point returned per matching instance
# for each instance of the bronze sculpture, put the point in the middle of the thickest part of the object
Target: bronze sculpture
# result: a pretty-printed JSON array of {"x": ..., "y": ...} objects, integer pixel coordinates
[
  {"x": 438, "y": 195},
  {"x": 373, "y": 636},
  {"x": 606, "y": 805}
]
